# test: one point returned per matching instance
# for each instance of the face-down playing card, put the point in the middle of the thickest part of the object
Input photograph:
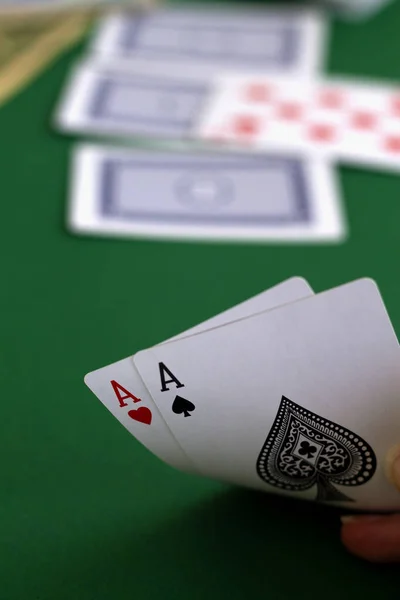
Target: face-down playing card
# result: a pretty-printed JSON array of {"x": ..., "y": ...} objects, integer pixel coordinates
[
  {"x": 209, "y": 41},
  {"x": 204, "y": 196},
  {"x": 104, "y": 102},
  {"x": 121, "y": 390},
  {"x": 302, "y": 400}
]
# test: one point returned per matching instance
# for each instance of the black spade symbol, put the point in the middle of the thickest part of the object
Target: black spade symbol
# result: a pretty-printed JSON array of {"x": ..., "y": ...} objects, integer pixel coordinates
[
  {"x": 181, "y": 405},
  {"x": 303, "y": 449}
]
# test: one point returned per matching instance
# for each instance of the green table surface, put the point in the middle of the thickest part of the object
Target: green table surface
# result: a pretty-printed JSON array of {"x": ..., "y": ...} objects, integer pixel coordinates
[{"x": 86, "y": 512}]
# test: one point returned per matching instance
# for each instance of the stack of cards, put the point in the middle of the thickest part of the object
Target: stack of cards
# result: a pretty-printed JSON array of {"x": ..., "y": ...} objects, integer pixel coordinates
[
  {"x": 151, "y": 77},
  {"x": 288, "y": 392},
  {"x": 150, "y": 74}
]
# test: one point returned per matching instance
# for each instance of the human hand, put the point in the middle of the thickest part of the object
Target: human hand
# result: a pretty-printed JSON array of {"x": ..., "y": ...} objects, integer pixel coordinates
[{"x": 376, "y": 537}]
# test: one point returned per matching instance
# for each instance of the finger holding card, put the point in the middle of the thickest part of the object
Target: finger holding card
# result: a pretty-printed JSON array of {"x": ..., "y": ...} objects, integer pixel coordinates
[{"x": 301, "y": 400}]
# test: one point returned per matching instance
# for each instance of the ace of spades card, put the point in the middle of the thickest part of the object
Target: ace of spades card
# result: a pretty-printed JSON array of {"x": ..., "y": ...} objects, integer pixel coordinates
[{"x": 301, "y": 400}]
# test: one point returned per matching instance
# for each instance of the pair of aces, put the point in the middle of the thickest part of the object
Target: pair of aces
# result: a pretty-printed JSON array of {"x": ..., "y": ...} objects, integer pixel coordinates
[{"x": 288, "y": 392}]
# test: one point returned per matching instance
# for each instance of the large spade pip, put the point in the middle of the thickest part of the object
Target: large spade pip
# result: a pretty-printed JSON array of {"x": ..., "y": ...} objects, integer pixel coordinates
[{"x": 303, "y": 450}]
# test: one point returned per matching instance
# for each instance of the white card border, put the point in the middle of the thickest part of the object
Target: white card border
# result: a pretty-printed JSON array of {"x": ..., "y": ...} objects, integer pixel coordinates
[
  {"x": 328, "y": 226},
  {"x": 315, "y": 39}
]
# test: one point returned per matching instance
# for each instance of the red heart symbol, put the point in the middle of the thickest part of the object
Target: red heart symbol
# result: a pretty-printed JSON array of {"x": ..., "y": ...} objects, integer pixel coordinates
[{"x": 142, "y": 414}]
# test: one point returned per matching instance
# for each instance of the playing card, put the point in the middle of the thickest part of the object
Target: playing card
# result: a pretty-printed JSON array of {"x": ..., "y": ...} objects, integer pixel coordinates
[
  {"x": 355, "y": 122},
  {"x": 214, "y": 39},
  {"x": 301, "y": 400},
  {"x": 121, "y": 390},
  {"x": 102, "y": 101},
  {"x": 195, "y": 195}
]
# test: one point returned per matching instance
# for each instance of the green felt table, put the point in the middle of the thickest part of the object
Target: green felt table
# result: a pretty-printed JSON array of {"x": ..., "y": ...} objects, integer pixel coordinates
[{"x": 86, "y": 512}]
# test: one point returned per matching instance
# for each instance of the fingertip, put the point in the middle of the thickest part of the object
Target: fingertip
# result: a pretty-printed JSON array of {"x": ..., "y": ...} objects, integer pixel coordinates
[
  {"x": 393, "y": 466},
  {"x": 375, "y": 538},
  {"x": 357, "y": 542}
]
